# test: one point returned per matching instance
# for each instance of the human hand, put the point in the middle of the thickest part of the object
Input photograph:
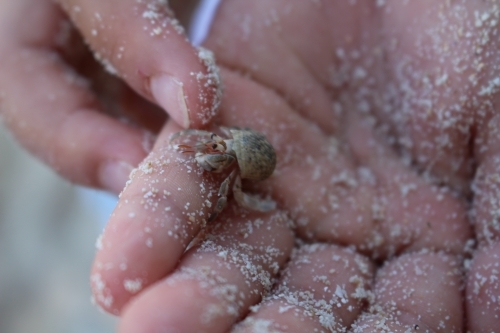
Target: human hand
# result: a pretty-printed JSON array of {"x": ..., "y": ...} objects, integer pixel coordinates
[
  {"x": 384, "y": 123},
  {"x": 90, "y": 126},
  {"x": 360, "y": 104}
]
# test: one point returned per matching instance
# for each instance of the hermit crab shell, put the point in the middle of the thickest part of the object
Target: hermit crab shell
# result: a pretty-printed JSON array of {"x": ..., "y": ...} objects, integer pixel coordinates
[{"x": 256, "y": 157}]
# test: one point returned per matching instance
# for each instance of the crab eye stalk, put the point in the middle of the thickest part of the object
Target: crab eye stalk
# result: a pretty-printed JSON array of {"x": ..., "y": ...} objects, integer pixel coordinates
[{"x": 220, "y": 147}]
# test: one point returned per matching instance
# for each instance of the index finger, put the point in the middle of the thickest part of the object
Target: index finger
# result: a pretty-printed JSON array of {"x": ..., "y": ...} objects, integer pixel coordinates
[{"x": 144, "y": 44}]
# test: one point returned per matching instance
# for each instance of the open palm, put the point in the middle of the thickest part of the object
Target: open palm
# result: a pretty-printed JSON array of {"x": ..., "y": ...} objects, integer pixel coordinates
[{"x": 382, "y": 121}]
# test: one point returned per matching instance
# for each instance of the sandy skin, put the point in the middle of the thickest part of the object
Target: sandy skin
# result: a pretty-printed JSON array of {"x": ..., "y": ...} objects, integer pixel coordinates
[{"x": 384, "y": 123}]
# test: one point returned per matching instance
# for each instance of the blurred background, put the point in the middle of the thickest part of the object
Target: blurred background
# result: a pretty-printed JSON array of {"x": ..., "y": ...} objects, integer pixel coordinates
[{"x": 48, "y": 229}]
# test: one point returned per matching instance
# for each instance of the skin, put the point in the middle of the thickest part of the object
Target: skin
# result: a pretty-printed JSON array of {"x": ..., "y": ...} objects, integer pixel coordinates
[{"x": 385, "y": 126}]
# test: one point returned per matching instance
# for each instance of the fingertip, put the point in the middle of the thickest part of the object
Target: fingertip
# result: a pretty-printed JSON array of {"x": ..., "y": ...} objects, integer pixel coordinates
[
  {"x": 193, "y": 100},
  {"x": 171, "y": 306},
  {"x": 422, "y": 290},
  {"x": 113, "y": 175},
  {"x": 133, "y": 253},
  {"x": 94, "y": 150},
  {"x": 482, "y": 288}
]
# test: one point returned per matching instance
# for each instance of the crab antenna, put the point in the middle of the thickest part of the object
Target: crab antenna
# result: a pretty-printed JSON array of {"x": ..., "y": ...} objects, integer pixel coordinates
[{"x": 185, "y": 149}]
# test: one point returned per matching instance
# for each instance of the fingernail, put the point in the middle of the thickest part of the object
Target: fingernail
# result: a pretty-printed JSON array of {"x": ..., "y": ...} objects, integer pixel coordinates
[
  {"x": 168, "y": 91},
  {"x": 114, "y": 174}
]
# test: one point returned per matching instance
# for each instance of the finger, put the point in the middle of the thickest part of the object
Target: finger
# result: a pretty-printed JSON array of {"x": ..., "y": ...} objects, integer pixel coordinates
[
  {"x": 167, "y": 201},
  {"x": 257, "y": 29},
  {"x": 51, "y": 110},
  {"x": 426, "y": 82},
  {"x": 144, "y": 45},
  {"x": 432, "y": 216},
  {"x": 323, "y": 288},
  {"x": 416, "y": 292},
  {"x": 364, "y": 197},
  {"x": 160, "y": 211},
  {"x": 217, "y": 281},
  {"x": 483, "y": 290},
  {"x": 487, "y": 186},
  {"x": 444, "y": 141}
]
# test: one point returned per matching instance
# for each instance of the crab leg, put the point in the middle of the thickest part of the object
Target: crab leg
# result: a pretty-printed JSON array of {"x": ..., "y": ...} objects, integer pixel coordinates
[
  {"x": 223, "y": 191},
  {"x": 251, "y": 202}
]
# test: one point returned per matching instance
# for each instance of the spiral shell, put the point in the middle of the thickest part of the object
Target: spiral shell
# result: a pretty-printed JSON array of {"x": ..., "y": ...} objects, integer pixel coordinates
[{"x": 255, "y": 155}]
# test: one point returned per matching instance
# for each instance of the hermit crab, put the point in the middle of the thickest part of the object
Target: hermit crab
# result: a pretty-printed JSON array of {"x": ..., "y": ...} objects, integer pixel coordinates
[{"x": 254, "y": 155}]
